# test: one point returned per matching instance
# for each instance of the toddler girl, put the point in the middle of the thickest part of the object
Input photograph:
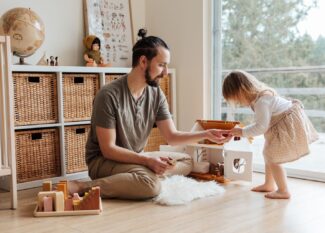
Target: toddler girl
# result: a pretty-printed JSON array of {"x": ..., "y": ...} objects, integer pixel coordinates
[{"x": 286, "y": 128}]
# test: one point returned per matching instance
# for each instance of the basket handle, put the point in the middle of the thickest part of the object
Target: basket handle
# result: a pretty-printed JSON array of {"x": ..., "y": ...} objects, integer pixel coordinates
[
  {"x": 80, "y": 131},
  {"x": 33, "y": 79},
  {"x": 78, "y": 80},
  {"x": 36, "y": 136}
]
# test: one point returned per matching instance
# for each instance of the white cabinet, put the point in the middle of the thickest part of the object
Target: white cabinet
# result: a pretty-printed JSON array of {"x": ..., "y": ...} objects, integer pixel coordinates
[{"x": 52, "y": 107}]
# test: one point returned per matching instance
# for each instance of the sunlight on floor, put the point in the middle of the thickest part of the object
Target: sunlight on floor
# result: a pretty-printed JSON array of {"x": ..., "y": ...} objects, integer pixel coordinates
[{"x": 313, "y": 162}]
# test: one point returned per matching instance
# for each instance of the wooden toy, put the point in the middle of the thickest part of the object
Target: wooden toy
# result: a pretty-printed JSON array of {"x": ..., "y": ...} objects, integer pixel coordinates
[
  {"x": 47, "y": 185},
  {"x": 216, "y": 124},
  {"x": 48, "y": 204},
  {"x": 68, "y": 206},
  {"x": 63, "y": 188},
  {"x": 231, "y": 161},
  {"x": 54, "y": 203},
  {"x": 208, "y": 177},
  {"x": 91, "y": 201},
  {"x": 58, "y": 200}
]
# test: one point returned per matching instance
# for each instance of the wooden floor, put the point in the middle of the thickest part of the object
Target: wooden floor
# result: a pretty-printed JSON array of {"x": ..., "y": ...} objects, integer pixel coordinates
[{"x": 238, "y": 210}]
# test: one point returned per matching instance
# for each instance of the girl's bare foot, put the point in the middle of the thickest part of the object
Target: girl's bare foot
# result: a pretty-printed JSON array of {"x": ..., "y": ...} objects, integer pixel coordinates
[
  {"x": 278, "y": 195},
  {"x": 264, "y": 188}
]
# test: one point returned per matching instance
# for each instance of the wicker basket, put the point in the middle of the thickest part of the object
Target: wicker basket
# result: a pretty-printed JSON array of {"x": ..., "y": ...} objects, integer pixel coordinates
[
  {"x": 111, "y": 77},
  {"x": 154, "y": 141},
  {"x": 79, "y": 91},
  {"x": 75, "y": 142},
  {"x": 165, "y": 86},
  {"x": 35, "y": 98},
  {"x": 37, "y": 154}
]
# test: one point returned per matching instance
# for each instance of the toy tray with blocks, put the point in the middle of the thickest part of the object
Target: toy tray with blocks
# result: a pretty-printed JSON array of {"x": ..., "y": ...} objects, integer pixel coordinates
[
  {"x": 217, "y": 124},
  {"x": 59, "y": 203},
  {"x": 38, "y": 213}
]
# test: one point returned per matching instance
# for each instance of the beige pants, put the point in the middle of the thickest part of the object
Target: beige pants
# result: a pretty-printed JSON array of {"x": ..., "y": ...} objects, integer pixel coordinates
[{"x": 131, "y": 181}]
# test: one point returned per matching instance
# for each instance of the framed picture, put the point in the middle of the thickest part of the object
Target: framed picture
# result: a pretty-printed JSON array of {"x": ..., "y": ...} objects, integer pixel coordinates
[{"x": 110, "y": 21}]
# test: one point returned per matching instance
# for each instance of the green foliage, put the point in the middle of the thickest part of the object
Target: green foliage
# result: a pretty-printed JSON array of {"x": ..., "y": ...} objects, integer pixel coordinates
[{"x": 264, "y": 34}]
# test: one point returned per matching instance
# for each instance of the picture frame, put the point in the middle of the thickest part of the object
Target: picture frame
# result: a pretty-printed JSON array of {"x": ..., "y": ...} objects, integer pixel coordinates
[{"x": 111, "y": 22}]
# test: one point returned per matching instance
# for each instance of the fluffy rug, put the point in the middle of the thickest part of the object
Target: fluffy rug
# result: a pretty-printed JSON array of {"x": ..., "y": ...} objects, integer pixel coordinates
[{"x": 180, "y": 190}]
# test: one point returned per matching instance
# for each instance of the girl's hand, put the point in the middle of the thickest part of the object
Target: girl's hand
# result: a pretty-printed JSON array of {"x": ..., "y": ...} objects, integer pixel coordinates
[
  {"x": 218, "y": 135},
  {"x": 237, "y": 132}
]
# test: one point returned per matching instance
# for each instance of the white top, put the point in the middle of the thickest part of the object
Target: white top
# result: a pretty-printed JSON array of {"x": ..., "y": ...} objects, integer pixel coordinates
[{"x": 265, "y": 107}]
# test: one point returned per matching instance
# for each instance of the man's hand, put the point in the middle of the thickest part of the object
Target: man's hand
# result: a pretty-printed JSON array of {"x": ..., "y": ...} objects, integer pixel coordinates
[
  {"x": 219, "y": 136},
  {"x": 237, "y": 132},
  {"x": 157, "y": 165}
]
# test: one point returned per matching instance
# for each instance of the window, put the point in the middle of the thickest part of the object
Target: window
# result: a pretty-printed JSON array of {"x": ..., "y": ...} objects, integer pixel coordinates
[{"x": 279, "y": 43}]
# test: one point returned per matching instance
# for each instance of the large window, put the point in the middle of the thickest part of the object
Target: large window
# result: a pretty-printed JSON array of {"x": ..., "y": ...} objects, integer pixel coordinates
[{"x": 279, "y": 42}]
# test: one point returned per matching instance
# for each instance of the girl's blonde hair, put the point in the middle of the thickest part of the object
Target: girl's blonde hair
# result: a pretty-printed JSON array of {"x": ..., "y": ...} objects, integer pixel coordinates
[{"x": 238, "y": 84}]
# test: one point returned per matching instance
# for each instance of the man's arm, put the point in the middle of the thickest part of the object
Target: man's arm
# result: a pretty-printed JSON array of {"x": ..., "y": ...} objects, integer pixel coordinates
[
  {"x": 175, "y": 137},
  {"x": 107, "y": 137}
]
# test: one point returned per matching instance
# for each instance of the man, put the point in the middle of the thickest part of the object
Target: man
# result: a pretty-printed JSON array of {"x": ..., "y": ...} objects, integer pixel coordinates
[{"x": 124, "y": 113}]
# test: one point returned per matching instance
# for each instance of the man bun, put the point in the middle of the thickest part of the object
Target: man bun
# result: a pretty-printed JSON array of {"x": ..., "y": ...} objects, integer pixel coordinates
[{"x": 142, "y": 33}]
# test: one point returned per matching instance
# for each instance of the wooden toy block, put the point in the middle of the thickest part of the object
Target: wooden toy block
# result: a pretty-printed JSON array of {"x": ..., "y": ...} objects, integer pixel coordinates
[
  {"x": 68, "y": 206},
  {"x": 63, "y": 188},
  {"x": 57, "y": 197},
  {"x": 91, "y": 201},
  {"x": 76, "y": 197},
  {"x": 47, "y": 185},
  {"x": 66, "y": 187},
  {"x": 48, "y": 204}
]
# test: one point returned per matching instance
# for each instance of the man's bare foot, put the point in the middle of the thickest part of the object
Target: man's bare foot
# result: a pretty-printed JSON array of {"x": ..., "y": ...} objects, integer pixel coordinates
[
  {"x": 264, "y": 188},
  {"x": 75, "y": 186},
  {"x": 278, "y": 195}
]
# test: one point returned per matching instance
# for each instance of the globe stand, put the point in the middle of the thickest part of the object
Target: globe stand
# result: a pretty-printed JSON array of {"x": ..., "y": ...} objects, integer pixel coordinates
[{"x": 21, "y": 60}]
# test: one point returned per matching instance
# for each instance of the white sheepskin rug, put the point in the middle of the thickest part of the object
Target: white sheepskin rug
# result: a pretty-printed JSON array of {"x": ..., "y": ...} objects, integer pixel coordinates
[{"x": 180, "y": 190}]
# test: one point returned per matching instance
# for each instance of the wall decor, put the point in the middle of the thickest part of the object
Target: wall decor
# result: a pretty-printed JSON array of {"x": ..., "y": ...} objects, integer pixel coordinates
[{"x": 110, "y": 21}]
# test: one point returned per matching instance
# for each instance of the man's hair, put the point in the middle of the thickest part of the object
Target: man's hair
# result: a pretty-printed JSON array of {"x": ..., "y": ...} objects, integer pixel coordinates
[{"x": 146, "y": 46}]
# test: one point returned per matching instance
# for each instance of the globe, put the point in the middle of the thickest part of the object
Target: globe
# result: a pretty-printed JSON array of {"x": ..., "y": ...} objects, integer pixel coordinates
[{"x": 26, "y": 31}]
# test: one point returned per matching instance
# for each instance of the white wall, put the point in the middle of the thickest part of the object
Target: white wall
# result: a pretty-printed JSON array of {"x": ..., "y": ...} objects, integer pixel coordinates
[
  {"x": 183, "y": 25},
  {"x": 64, "y": 27}
]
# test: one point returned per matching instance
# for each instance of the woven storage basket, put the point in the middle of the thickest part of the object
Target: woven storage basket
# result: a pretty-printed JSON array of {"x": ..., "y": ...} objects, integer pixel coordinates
[
  {"x": 79, "y": 91},
  {"x": 75, "y": 142},
  {"x": 35, "y": 98},
  {"x": 111, "y": 77},
  {"x": 165, "y": 86},
  {"x": 154, "y": 141},
  {"x": 37, "y": 154}
]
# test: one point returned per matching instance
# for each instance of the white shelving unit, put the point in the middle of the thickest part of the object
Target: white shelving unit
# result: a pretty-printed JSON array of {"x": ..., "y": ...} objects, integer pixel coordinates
[{"x": 59, "y": 71}]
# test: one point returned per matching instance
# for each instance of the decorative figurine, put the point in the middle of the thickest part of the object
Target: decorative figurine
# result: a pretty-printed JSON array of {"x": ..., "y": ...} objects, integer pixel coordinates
[
  {"x": 52, "y": 62},
  {"x": 92, "y": 54}
]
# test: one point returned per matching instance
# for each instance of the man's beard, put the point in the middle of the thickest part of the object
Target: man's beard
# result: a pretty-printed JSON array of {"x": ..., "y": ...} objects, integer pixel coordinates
[{"x": 152, "y": 82}]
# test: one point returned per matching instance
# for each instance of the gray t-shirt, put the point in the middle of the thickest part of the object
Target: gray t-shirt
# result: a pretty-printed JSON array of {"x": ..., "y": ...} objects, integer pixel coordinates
[{"x": 115, "y": 108}]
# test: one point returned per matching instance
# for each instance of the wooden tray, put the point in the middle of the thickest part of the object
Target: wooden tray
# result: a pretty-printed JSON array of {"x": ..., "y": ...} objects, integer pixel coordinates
[
  {"x": 209, "y": 177},
  {"x": 216, "y": 124},
  {"x": 68, "y": 213}
]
